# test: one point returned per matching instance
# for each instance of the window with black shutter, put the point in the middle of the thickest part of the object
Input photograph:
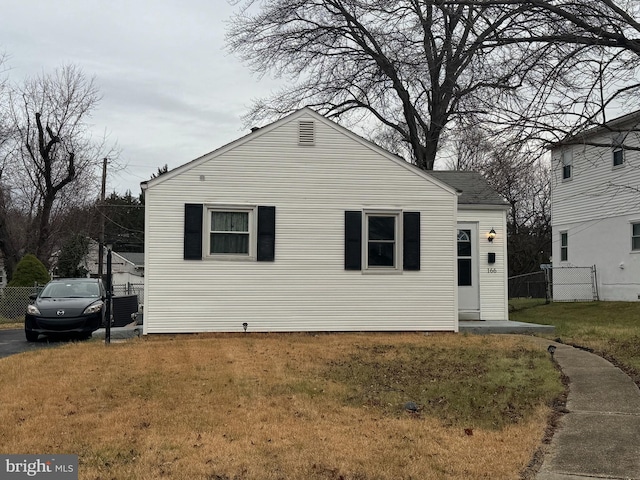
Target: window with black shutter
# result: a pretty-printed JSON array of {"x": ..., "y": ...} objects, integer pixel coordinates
[
  {"x": 382, "y": 241},
  {"x": 231, "y": 232}
]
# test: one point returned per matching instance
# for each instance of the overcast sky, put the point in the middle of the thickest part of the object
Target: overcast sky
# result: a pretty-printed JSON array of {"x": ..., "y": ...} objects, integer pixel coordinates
[{"x": 171, "y": 92}]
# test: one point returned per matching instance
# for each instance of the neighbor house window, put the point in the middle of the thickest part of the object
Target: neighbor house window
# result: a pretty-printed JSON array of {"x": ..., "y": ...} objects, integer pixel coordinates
[
  {"x": 382, "y": 240},
  {"x": 635, "y": 236},
  {"x": 564, "y": 246},
  {"x": 230, "y": 231},
  {"x": 567, "y": 163},
  {"x": 618, "y": 156}
]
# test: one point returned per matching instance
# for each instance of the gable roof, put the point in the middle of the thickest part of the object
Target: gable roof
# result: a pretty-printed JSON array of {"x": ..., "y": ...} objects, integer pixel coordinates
[
  {"x": 618, "y": 124},
  {"x": 473, "y": 188},
  {"x": 135, "y": 258},
  {"x": 291, "y": 117}
]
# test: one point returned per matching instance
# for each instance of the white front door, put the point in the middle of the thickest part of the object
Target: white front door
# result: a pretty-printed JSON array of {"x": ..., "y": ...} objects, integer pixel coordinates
[{"x": 468, "y": 284}]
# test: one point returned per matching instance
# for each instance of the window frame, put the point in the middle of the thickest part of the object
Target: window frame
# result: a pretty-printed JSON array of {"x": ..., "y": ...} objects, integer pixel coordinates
[
  {"x": 633, "y": 236},
  {"x": 251, "y": 210},
  {"x": 566, "y": 163},
  {"x": 397, "y": 241},
  {"x": 465, "y": 258},
  {"x": 564, "y": 246},
  {"x": 613, "y": 157}
]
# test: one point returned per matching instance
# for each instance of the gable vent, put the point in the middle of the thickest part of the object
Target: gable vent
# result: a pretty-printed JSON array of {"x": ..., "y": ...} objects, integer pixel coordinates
[{"x": 306, "y": 132}]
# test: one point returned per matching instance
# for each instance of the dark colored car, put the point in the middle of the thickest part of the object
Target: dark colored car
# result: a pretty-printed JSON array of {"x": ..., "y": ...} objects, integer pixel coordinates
[{"x": 67, "y": 306}]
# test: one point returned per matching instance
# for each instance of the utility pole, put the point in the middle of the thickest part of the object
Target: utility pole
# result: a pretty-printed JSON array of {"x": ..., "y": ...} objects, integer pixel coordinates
[{"x": 103, "y": 193}]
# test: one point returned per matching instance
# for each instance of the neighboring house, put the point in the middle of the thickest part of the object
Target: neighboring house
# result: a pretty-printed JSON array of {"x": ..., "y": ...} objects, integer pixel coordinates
[
  {"x": 595, "y": 210},
  {"x": 304, "y": 226},
  {"x": 126, "y": 268}
]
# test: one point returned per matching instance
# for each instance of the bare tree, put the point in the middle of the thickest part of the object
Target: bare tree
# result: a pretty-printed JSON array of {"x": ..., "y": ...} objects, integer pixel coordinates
[
  {"x": 521, "y": 175},
  {"x": 53, "y": 157},
  {"x": 592, "y": 74},
  {"x": 413, "y": 67}
]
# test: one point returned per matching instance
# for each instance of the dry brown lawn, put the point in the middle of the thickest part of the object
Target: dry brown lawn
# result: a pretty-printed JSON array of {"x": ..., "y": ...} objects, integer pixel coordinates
[
  {"x": 282, "y": 406},
  {"x": 10, "y": 324}
]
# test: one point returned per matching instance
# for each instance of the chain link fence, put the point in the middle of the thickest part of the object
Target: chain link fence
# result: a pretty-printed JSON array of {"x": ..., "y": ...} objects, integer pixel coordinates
[
  {"x": 558, "y": 284},
  {"x": 14, "y": 300},
  {"x": 574, "y": 284},
  {"x": 529, "y": 289},
  {"x": 129, "y": 289}
]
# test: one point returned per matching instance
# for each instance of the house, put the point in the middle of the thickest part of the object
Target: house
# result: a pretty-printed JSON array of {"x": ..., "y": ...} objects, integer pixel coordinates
[
  {"x": 126, "y": 268},
  {"x": 595, "y": 212},
  {"x": 302, "y": 225}
]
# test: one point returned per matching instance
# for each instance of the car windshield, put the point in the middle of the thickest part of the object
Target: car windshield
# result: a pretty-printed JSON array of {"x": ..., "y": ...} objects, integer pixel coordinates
[{"x": 71, "y": 290}]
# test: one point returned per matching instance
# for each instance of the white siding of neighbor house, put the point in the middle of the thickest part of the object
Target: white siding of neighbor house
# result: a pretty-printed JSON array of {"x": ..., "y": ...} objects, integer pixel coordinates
[
  {"x": 605, "y": 243},
  {"x": 596, "y": 208},
  {"x": 306, "y": 288},
  {"x": 494, "y": 303}
]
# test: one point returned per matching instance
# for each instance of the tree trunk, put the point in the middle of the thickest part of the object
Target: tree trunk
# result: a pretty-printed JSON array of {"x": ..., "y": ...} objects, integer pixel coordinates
[{"x": 43, "y": 232}]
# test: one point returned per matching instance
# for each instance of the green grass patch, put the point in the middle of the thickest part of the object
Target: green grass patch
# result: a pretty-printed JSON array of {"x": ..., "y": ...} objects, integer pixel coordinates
[
  {"x": 479, "y": 386},
  {"x": 609, "y": 328},
  {"x": 523, "y": 303}
]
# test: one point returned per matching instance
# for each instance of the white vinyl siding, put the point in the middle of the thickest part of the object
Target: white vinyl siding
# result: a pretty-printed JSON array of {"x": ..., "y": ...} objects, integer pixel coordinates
[
  {"x": 306, "y": 288},
  {"x": 596, "y": 190},
  {"x": 492, "y": 277}
]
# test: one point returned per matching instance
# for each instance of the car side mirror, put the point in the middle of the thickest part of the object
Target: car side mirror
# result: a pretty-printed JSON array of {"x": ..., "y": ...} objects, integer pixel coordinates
[{"x": 33, "y": 297}]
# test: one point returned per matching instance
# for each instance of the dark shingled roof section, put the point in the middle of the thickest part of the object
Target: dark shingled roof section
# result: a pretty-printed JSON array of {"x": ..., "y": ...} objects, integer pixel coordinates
[
  {"x": 473, "y": 187},
  {"x": 136, "y": 258}
]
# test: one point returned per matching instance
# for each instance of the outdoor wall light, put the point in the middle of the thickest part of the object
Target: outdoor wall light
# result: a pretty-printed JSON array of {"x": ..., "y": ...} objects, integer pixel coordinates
[
  {"x": 491, "y": 235},
  {"x": 245, "y": 325}
]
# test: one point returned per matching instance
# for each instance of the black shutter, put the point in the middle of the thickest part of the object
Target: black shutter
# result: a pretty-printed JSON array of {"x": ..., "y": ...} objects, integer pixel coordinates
[
  {"x": 411, "y": 240},
  {"x": 193, "y": 231},
  {"x": 352, "y": 240},
  {"x": 266, "y": 234}
]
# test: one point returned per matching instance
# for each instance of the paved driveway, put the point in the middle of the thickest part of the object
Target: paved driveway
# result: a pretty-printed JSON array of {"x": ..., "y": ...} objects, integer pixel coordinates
[{"x": 13, "y": 341}]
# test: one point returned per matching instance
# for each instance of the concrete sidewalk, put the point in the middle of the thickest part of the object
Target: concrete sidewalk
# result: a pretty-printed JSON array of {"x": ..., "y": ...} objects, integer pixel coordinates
[
  {"x": 486, "y": 327},
  {"x": 600, "y": 436}
]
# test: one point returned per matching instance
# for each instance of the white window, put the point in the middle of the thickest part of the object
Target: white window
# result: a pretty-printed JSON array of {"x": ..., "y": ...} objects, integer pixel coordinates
[
  {"x": 618, "y": 156},
  {"x": 567, "y": 164},
  {"x": 564, "y": 246},
  {"x": 635, "y": 236},
  {"x": 382, "y": 240},
  {"x": 230, "y": 232}
]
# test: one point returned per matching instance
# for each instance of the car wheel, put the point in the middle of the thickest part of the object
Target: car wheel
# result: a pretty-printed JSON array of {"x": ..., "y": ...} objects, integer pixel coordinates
[{"x": 31, "y": 336}]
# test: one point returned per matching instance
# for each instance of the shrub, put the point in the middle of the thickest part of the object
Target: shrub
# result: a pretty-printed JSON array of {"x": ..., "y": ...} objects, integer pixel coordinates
[{"x": 28, "y": 272}]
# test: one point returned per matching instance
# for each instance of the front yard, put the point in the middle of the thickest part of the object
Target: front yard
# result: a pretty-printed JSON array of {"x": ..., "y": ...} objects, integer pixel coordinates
[
  {"x": 287, "y": 406},
  {"x": 610, "y": 329}
]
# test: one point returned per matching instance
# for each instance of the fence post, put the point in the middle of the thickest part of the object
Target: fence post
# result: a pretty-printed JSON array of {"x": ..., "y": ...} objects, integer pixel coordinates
[
  {"x": 547, "y": 290},
  {"x": 595, "y": 284}
]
